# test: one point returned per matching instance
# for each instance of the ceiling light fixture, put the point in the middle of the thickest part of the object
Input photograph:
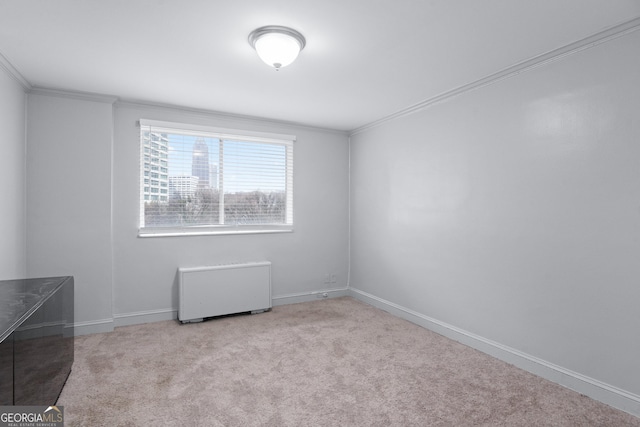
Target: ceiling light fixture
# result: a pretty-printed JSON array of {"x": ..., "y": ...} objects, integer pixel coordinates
[{"x": 277, "y": 46}]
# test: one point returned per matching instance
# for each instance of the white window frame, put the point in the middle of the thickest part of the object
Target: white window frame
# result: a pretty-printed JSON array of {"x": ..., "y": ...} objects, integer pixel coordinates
[{"x": 223, "y": 134}]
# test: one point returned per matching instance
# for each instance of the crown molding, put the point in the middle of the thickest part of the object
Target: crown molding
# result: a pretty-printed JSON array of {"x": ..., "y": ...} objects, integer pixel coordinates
[
  {"x": 14, "y": 73},
  {"x": 123, "y": 102},
  {"x": 197, "y": 112},
  {"x": 606, "y": 35},
  {"x": 83, "y": 96}
]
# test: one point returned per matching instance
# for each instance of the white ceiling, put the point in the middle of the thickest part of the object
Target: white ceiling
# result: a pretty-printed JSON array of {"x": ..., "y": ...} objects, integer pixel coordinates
[{"x": 364, "y": 59}]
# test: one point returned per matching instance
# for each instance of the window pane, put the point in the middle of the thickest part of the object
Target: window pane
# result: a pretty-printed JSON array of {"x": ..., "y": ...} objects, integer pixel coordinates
[
  {"x": 214, "y": 182},
  {"x": 254, "y": 183},
  {"x": 191, "y": 177}
]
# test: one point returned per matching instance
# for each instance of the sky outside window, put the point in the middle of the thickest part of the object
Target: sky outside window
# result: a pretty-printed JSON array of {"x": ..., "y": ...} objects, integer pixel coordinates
[{"x": 247, "y": 166}]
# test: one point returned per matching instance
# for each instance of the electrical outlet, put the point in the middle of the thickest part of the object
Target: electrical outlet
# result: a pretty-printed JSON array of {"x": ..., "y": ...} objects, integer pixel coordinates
[
  {"x": 327, "y": 278},
  {"x": 333, "y": 278}
]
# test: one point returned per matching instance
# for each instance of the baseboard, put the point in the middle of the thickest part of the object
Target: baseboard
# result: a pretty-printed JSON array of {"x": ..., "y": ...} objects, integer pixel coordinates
[
  {"x": 137, "y": 318},
  {"x": 593, "y": 388},
  {"x": 309, "y": 296},
  {"x": 93, "y": 327}
]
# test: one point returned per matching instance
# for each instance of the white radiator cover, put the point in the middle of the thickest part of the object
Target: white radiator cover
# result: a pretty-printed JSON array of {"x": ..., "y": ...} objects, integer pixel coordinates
[{"x": 223, "y": 289}]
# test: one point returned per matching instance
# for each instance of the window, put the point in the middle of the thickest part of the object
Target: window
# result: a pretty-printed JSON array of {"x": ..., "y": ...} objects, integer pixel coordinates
[{"x": 219, "y": 181}]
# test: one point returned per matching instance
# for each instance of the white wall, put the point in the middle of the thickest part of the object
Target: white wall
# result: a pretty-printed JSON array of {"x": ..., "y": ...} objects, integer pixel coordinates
[
  {"x": 69, "y": 200},
  {"x": 83, "y": 209},
  {"x": 512, "y": 212},
  {"x": 12, "y": 179},
  {"x": 145, "y": 268}
]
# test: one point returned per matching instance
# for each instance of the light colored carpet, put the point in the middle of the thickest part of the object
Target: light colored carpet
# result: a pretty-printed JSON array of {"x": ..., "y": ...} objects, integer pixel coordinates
[{"x": 335, "y": 362}]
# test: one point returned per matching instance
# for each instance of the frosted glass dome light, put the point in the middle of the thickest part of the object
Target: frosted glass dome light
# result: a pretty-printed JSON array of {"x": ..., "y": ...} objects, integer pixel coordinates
[{"x": 277, "y": 46}]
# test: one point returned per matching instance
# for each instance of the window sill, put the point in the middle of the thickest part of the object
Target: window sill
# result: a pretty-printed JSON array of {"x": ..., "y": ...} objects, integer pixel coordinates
[{"x": 144, "y": 233}]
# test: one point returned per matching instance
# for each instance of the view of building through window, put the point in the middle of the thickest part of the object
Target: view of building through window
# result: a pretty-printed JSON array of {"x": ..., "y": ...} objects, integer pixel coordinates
[{"x": 194, "y": 180}]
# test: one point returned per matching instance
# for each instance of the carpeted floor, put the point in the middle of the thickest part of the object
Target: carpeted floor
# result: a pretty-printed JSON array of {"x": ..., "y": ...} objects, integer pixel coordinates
[{"x": 335, "y": 362}]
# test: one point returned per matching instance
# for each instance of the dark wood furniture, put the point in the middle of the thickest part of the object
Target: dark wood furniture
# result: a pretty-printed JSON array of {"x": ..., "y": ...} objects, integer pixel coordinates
[{"x": 36, "y": 339}]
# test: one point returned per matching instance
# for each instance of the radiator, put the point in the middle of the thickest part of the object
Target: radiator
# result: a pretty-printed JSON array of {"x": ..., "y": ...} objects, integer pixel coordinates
[{"x": 224, "y": 289}]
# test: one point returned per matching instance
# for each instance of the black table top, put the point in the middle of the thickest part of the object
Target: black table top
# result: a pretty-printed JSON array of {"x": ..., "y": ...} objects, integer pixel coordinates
[{"x": 20, "y": 298}]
